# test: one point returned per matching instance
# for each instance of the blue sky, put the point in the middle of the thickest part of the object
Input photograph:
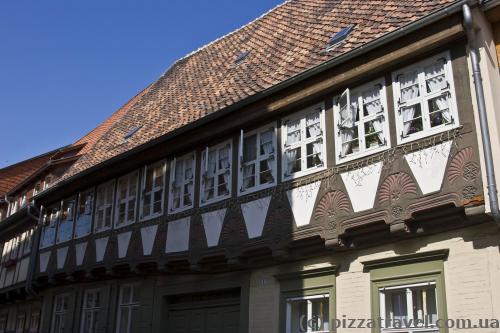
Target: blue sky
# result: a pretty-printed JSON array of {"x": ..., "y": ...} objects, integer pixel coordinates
[{"x": 66, "y": 65}]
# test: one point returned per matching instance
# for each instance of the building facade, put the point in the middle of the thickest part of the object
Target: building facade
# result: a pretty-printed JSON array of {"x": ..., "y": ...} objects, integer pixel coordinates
[{"x": 320, "y": 168}]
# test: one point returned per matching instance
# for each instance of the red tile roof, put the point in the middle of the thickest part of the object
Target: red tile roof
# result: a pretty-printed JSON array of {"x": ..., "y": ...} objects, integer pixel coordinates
[
  {"x": 15, "y": 174},
  {"x": 284, "y": 42}
]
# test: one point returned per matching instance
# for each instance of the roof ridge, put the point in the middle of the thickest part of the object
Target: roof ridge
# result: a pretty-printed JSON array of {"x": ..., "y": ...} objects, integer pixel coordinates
[{"x": 223, "y": 36}]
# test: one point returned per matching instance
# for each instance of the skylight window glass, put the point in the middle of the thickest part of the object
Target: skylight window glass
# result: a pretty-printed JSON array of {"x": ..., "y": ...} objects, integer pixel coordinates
[
  {"x": 131, "y": 132},
  {"x": 241, "y": 57},
  {"x": 339, "y": 37}
]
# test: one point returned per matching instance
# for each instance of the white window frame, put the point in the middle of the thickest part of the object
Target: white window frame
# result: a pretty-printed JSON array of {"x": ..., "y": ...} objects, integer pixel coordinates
[
  {"x": 259, "y": 158},
  {"x": 309, "y": 310},
  {"x": 302, "y": 144},
  {"x": 59, "y": 313},
  {"x": 130, "y": 306},
  {"x": 409, "y": 301},
  {"x": 50, "y": 221},
  {"x": 60, "y": 220},
  {"x": 363, "y": 151},
  {"x": 153, "y": 190},
  {"x": 424, "y": 98},
  {"x": 204, "y": 162},
  {"x": 20, "y": 322},
  {"x": 173, "y": 169},
  {"x": 98, "y": 208},
  {"x": 77, "y": 214},
  {"x": 126, "y": 200},
  {"x": 34, "y": 324},
  {"x": 93, "y": 310}
]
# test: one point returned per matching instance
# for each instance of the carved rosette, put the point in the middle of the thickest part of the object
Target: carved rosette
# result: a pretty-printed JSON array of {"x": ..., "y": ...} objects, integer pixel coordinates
[
  {"x": 463, "y": 165},
  {"x": 395, "y": 186},
  {"x": 330, "y": 206}
]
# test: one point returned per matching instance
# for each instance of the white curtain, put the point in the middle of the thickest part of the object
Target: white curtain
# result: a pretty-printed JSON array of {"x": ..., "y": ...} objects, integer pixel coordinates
[
  {"x": 434, "y": 77},
  {"x": 209, "y": 174},
  {"x": 293, "y": 132},
  {"x": 224, "y": 158},
  {"x": 317, "y": 149},
  {"x": 378, "y": 125},
  {"x": 313, "y": 125},
  {"x": 409, "y": 90},
  {"x": 248, "y": 175},
  {"x": 442, "y": 104},
  {"x": 291, "y": 156},
  {"x": 266, "y": 140},
  {"x": 348, "y": 111}
]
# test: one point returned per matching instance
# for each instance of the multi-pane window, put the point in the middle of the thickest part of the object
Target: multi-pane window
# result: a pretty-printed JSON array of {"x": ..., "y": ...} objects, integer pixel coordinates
[
  {"x": 34, "y": 321},
  {"x": 424, "y": 97},
  {"x": 307, "y": 314},
  {"x": 90, "y": 311},
  {"x": 66, "y": 221},
  {"x": 182, "y": 183},
  {"x": 216, "y": 173},
  {"x": 361, "y": 125},
  {"x": 3, "y": 323},
  {"x": 152, "y": 190},
  {"x": 257, "y": 158},
  {"x": 128, "y": 308},
  {"x": 303, "y": 145},
  {"x": 20, "y": 322},
  {"x": 104, "y": 206},
  {"x": 60, "y": 311},
  {"x": 413, "y": 307},
  {"x": 126, "y": 199},
  {"x": 50, "y": 219},
  {"x": 83, "y": 224}
]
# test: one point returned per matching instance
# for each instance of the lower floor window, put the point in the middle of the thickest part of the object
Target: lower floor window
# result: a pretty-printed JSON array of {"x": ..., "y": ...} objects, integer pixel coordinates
[
  {"x": 61, "y": 308},
  {"x": 90, "y": 311},
  {"x": 308, "y": 314},
  {"x": 413, "y": 307},
  {"x": 128, "y": 308}
]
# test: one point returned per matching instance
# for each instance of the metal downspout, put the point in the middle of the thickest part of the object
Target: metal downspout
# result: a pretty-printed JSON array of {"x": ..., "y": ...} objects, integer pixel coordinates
[{"x": 483, "y": 117}]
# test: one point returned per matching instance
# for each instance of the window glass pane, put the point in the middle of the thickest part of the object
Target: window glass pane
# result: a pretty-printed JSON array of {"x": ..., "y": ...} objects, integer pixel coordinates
[
  {"x": 439, "y": 111},
  {"x": 424, "y": 304},
  {"x": 308, "y": 315},
  {"x": 266, "y": 168},
  {"x": 250, "y": 148},
  {"x": 84, "y": 213},
  {"x": 249, "y": 176},
  {"x": 266, "y": 142},
  {"x": 412, "y": 119},
  {"x": 409, "y": 86},
  {"x": 314, "y": 156},
  {"x": 158, "y": 181},
  {"x": 396, "y": 305},
  {"x": 374, "y": 133},
  {"x": 224, "y": 161},
  {"x": 435, "y": 79},
  {"x": 293, "y": 160},
  {"x": 371, "y": 101},
  {"x": 313, "y": 125},
  {"x": 293, "y": 132}
]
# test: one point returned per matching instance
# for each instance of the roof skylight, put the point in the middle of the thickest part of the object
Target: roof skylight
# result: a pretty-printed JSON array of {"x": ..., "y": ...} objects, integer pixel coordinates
[
  {"x": 338, "y": 37},
  {"x": 131, "y": 132},
  {"x": 241, "y": 57}
]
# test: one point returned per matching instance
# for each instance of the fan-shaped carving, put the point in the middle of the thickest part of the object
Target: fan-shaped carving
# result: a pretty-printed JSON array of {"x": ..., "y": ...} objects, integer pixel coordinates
[
  {"x": 463, "y": 165},
  {"x": 395, "y": 186},
  {"x": 331, "y": 204}
]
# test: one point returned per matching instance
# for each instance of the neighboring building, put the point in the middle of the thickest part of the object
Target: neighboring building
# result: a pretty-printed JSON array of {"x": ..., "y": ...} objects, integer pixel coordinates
[{"x": 323, "y": 162}]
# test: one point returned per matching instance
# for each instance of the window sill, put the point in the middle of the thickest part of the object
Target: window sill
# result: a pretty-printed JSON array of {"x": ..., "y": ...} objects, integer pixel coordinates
[
  {"x": 421, "y": 135},
  {"x": 150, "y": 217},
  {"x": 256, "y": 189},
  {"x": 211, "y": 201},
  {"x": 101, "y": 231},
  {"x": 352, "y": 157},
  {"x": 304, "y": 173},
  {"x": 179, "y": 210},
  {"x": 123, "y": 225}
]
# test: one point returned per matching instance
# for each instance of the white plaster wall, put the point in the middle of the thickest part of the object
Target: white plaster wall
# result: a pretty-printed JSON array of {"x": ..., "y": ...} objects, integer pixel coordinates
[
  {"x": 472, "y": 278},
  {"x": 491, "y": 85}
]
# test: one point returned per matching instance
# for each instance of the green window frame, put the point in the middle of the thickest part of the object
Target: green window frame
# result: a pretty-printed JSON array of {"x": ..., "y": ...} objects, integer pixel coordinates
[
  {"x": 420, "y": 270},
  {"x": 309, "y": 286}
]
